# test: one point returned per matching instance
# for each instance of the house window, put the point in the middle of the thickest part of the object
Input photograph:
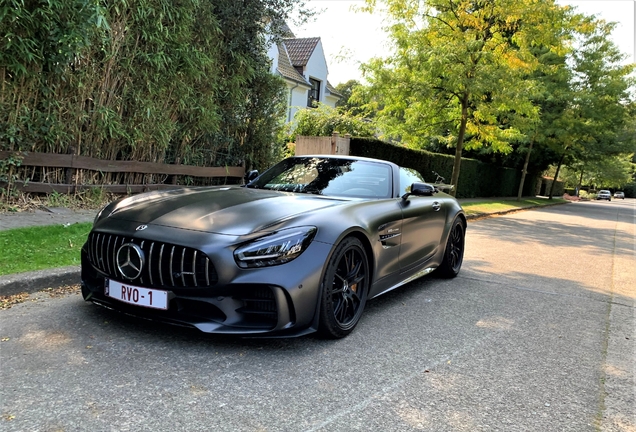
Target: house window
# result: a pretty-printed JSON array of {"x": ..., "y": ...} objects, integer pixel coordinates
[{"x": 314, "y": 92}]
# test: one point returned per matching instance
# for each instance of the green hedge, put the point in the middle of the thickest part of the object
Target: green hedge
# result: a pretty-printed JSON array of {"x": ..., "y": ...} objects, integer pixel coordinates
[
  {"x": 476, "y": 179},
  {"x": 630, "y": 190}
]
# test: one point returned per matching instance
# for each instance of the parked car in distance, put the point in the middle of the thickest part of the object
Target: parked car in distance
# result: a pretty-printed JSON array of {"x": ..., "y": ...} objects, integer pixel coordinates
[
  {"x": 299, "y": 249},
  {"x": 604, "y": 195},
  {"x": 620, "y": 195}
]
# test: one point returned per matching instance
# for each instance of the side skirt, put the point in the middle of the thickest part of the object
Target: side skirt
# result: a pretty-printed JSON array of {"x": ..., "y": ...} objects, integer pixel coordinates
[{"x": 411, "y": 278}]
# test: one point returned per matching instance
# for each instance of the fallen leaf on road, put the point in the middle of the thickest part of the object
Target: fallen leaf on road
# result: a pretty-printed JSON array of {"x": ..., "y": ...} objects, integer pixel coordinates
[{"x": 7, "y": 301}]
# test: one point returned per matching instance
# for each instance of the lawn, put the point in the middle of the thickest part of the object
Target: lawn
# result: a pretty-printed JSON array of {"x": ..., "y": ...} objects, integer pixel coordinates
[
  {"x": 494, "y": 206},
  {"x": 37, "y": 248}
]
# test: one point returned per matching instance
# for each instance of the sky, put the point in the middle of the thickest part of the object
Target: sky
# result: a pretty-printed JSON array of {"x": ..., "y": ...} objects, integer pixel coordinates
[{"x": 350, "y": 38}]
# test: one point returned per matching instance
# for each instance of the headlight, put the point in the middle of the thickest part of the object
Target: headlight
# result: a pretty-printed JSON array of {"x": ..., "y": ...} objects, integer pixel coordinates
[{"x": 274, "y": 249}]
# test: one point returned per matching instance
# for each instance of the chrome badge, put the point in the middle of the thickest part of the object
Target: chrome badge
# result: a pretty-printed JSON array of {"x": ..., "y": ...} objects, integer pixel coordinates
[
  {"x": 130, "y": 260},
  {"x": 141, "y": 227}
]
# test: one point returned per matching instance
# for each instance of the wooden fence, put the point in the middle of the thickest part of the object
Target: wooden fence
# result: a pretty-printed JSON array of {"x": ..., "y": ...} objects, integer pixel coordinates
[
  {"x": 330, "y": 145},
  {"x": 70, "y": 163}
]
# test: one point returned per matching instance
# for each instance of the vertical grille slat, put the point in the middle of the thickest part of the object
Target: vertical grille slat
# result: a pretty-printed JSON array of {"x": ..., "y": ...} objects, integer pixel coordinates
[
  {"x": 207, "y": 271},
  {"x": 101, "y": 249},
  {"x": 177, "y": 260},
  {"x": 141, "y": 278},
  {"x": 194, "y": 268},
  {"x": 114, "y": 254},
  {"x": 110, "y": 238},
  {"x": 160, "y": 265},
  {"x": 95, "y": 248},
  {"x": 152, "y": 246},
  {"x": 91, "y": 248},
  {"x": 171, "y": 266},
  {"x": 182, "y": 268}
]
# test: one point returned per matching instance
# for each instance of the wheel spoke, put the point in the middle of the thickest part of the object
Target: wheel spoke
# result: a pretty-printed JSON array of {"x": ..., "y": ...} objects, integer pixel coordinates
[
  {"x": 354, "y": 272},
  {"x": 344, "y": 310},
  {"x": 357, "y": 280},
  {"x": 355, "y": 298},
  {"x": 341, "y": 278},
  {"x": 453, "y": 259},
  {"x": 347, "y": 265},
  {"x": 339, "y": 307}
]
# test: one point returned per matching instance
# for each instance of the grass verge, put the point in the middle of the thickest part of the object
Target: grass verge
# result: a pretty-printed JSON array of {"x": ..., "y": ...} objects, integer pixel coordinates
[
  {"x": 37, "y": 248},
  {"x": 495, "y": 206}
]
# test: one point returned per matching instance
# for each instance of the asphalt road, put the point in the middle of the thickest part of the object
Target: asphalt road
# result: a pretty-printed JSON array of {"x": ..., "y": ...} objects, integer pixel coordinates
[{"x": 536, "y": 334}]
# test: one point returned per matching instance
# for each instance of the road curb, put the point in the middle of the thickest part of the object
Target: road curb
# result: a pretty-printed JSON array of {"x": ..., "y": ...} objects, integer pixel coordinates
[
  {"x": 477, "y": 216},
  {"x": 31, "y": 282}
]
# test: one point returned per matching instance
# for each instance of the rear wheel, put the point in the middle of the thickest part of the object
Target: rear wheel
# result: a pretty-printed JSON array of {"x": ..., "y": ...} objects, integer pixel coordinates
[
  {"x": 345, "y": 289},
  {"x": 454, "y": 253}
]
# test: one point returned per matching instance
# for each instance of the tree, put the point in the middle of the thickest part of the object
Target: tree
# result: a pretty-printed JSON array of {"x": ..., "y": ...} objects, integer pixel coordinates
[
  {"x": 610, "y": 172},
  {"x": 458, "y": 68},
  {"x": 600, "y": 108},
  {"x": 552, "y": 77},
  {"x": 346, "y": 89}
]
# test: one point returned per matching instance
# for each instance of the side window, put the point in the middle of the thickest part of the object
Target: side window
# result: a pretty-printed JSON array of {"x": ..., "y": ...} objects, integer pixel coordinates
[
  {"x": 408, "y": 176},
  {"x": 314, "y": 93}
]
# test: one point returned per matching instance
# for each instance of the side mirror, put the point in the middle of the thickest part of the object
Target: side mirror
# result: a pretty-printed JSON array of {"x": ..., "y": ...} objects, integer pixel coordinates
[
  {"x": 420, "y": 189},
  {"x": 251, "y": 175}
]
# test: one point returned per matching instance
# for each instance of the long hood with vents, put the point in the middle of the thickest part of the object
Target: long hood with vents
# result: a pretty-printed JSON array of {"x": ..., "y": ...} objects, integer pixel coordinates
[{"x": 225, "y": 210}]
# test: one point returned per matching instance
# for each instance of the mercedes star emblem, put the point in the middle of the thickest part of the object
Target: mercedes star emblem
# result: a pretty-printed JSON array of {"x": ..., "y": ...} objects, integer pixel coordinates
[{"x": 130, "y": 260}]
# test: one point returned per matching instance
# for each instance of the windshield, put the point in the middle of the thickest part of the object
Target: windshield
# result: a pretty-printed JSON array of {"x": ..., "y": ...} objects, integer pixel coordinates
[{"x": 329, "y": 177}]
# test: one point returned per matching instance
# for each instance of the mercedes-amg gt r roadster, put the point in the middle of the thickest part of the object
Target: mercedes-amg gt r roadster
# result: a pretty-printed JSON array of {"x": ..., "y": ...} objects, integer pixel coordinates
[{"x": 298, "y": 249}]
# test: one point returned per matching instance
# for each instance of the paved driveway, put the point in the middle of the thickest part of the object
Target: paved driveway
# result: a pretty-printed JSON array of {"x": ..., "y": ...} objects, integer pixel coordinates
[{"x": 537, "y": 334}]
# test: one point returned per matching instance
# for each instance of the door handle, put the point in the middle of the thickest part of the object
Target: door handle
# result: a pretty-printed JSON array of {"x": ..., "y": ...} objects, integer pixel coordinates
[{"x": 436, "y": 206}]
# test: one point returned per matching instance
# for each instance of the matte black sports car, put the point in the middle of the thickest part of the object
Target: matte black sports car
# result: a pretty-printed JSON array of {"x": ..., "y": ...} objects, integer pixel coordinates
[{"x": 299, "y": 249}]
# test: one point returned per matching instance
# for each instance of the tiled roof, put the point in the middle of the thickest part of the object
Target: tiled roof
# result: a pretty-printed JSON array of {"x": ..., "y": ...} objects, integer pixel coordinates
[
  {"x": 285, "y": 67},
  {"x": 300, "y": 49},
  {"x": 333, "y": 90},
  {"x": 287, "y": 31}
]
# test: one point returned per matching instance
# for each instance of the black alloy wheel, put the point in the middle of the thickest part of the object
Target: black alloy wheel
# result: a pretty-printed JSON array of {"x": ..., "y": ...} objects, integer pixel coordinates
[
  {"x": 454, "y": 253},
  {"x": 345, "y": 289}
]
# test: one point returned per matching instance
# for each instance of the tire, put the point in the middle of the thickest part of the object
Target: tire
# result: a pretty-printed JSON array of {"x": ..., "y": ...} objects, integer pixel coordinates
[
  {"x": 345, "y": 289},
  {"x": 454, "y": 252}
]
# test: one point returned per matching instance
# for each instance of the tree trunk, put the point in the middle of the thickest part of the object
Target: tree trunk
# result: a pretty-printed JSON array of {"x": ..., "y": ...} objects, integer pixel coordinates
[
  {"x": 525, "y": 170},
  {"x": 578, "y": 186},
  {"x": 556, "y": 175},
  {"x": 460, "y": 145}
]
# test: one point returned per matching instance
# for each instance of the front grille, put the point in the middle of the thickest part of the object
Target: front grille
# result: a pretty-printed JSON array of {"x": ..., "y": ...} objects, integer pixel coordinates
[{"x": 166, "y": 265}]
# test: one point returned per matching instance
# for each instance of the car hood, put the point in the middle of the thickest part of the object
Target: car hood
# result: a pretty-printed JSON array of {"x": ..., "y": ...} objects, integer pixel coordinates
[{"x": 222, "y": 210}]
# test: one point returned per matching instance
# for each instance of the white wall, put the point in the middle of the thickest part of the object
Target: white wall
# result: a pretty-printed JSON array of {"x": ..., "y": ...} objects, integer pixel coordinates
[
  {"x": 272, "y": 53},
  {"x": 297, "y": 99},
  {"x": 331, "y": 101},
  {"x": 317, "y": 69}
]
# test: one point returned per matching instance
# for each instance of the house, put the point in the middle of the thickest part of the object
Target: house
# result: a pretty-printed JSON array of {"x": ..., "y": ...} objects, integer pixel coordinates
[{"x": 301, "y": 63}]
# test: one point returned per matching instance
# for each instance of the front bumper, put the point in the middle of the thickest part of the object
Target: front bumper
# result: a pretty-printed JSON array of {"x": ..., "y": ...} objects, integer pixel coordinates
[{"x": 273, "y": 301}]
